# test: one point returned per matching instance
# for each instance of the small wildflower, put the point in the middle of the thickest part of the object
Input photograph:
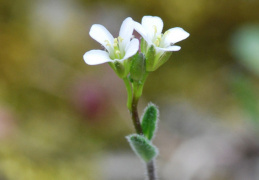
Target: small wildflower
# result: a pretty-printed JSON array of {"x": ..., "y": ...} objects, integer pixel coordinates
[
  {"x": 151, "y": 30},
  {"x": 118, "y": 50}
]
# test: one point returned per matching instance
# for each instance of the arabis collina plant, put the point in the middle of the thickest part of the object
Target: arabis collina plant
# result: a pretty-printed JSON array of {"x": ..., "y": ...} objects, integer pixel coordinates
[{"x": 133, "y": 65}]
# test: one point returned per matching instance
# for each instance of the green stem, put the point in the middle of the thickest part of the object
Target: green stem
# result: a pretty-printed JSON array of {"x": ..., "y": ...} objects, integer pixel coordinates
[
  {"x": 137, "y": 88},
  {"x": 129, "y": 92},
  {"x": 134, "y": 93}
]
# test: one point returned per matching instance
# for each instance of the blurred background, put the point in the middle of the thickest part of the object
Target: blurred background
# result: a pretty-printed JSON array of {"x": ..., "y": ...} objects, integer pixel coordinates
[{"x": 62, "y": 119}]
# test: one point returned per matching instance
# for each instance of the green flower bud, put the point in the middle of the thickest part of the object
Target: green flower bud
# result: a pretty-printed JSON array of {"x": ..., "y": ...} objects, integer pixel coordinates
[{"x": 138, "y": 67}]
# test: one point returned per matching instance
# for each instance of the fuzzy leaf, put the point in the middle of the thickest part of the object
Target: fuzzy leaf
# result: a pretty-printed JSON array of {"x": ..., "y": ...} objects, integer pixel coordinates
[
  {"x": 149, "y": 121},
  {"x": 142, "y": 147}
]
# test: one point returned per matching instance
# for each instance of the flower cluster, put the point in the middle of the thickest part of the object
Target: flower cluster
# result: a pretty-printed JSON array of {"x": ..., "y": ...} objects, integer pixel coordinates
[{"x": 121, "y": 52}]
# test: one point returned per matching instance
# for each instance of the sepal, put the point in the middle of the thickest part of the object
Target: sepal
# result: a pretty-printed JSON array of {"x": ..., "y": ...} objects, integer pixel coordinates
[
  {"x": 150, "y": 58},
  {"x": 162, "y": 59},
  {"x": 121, "y": 68},
  {"x": 143, "y": 45}
]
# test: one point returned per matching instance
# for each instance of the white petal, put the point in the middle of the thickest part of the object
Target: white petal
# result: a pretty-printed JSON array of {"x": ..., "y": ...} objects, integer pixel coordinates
[
  {"x": 95, "y": 57},
  {"x": 175, "y": 35},
  {"x": 140, "y": 29},
  {"x": 126, "y": 30},
  {"x": 170, "y": 48},
  {"x": 153, "y": 25},
  {"x": 101, "y": 34},
  {"x": 131, "y": 49}
]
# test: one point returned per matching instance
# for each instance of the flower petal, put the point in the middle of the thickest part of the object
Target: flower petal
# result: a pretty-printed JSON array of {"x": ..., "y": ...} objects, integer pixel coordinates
[
  {"x": 175, "y": 35},
  {"x": 101, "y": 34},
  {"x": 95, "y": 57},
  {"x": 153, "y": 25},
  {"x": 170, "y": 48},
  {"x": 126, "y": 30},
  {"x": 140, "y": 29},
  {"x": 131, "y": 49}
]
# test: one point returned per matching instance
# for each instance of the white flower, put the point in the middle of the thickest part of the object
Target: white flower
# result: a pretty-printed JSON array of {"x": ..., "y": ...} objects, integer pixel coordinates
[
  {"x": 157, "y": 46},
  {"x": 151, "y": 30},
  {"x": 118, "y": 49}
]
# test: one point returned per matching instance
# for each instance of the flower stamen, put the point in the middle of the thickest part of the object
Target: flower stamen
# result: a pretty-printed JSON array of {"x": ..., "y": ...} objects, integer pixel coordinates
[
  {"x": 157, "y": 42},
  {"x": 120, "y": 39},
  {"x": 155, "y": 28},
  {"x": 107, "y": 43},
  {"x": 115, "y": 44}
]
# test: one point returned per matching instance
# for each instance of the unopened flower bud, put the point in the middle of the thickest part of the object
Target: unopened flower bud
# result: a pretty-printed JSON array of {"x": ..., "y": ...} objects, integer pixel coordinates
[{"x": 138, "y": 67}]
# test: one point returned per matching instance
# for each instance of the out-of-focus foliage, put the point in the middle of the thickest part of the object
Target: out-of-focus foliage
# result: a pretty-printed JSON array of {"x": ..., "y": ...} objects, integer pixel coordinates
[
  {"x": 246, "y": 47},
  {"x": 59, "y": 117},
  {"x": 245, "y": 92}
]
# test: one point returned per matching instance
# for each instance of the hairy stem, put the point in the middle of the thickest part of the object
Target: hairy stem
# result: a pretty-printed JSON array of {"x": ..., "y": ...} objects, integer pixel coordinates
[
  {"x": 135, "y": 116},
  {"x": 137, "y": 92},
  {"x": 151, "y": 172}
]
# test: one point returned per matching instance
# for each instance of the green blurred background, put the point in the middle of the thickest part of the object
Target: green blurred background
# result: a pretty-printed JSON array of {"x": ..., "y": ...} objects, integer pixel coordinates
[{"x": 62, "y": 119}]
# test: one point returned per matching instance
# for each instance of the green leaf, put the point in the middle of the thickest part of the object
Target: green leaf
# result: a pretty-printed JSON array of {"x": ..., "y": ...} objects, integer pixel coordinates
[
  {"x": 142, "y": 147},
  {"x": 245, "y": 91},
  {"x": 138, "y": 67},
  {"x": 149, "y": 120},
  {"x": 150, "y": 58}
]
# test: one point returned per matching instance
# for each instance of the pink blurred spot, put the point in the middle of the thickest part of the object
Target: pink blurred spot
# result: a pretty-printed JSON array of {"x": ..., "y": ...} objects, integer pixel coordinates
[
  {"x": 6, "y": 124},
  {"x": 91, "y": 100}
]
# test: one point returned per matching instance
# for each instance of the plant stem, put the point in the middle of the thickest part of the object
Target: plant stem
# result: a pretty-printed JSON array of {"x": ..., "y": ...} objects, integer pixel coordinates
[
  {"x": 137, "y": 92},
  {"x": 135, "y": 116},
  {"x": 129, "y": 92},
  {"x": 151, "y": 170}
]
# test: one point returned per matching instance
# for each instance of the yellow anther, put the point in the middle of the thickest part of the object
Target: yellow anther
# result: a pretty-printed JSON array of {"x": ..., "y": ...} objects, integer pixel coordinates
[
  {"x": 120, "y": 39},
  {"x": 157, "y": 42},
  {"x": 159, "y": 37},
  {"x": 166, "y": 33},
  {"x": 115, "y": 40},
  {"x": 107, "y": 43},
  {"x": 117, "y": 52},
  {"x": 115, "y": 44},
  {"x": 155, "y": 28}
]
